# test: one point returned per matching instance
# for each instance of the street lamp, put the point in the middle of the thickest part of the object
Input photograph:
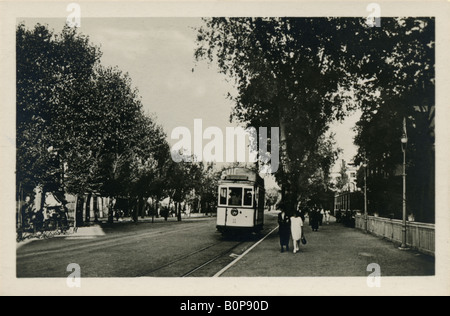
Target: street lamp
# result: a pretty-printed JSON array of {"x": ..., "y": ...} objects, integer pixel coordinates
[
  {"x": 366, "y": 217},
  {"x": 404, "y": 142}
]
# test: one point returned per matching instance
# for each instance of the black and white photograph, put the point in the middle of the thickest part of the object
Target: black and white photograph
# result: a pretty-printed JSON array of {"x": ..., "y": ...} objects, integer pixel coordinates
[{"x": 239, "y": 148}]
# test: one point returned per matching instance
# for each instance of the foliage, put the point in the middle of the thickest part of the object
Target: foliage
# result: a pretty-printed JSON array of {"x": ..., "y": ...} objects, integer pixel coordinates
[
  {"x": 399, "y": 83},
  {"x": 81, "y": 128},
  {"x": 302, "y": 73},
  {"x": 289, "y": 72},
  {"x": 272, "y": 197},
  {"x": 53, "y": 72}
]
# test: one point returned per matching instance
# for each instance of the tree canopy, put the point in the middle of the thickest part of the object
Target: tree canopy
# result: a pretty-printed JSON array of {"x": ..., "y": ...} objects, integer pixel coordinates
[
  {"x": 291, "y": 73},
  {"x": 81, "y": 128},
  {"x": 401, "y": 85},
  {"x": 302, "y": 73}
]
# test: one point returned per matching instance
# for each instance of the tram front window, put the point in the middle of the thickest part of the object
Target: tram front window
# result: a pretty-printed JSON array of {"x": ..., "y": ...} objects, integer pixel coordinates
[
  {"x": 235, "y": 197},
  {"x": 248, "y": 196},
  {"x": 223, "y": 196}
]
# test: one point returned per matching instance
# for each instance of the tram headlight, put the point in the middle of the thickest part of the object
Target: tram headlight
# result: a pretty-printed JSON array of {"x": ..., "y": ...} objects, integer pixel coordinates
[{"x": 234, "y": 212}]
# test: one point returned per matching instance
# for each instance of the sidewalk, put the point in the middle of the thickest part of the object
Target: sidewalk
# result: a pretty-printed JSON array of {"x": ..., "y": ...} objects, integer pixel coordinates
[
  {"x": 147, "y": 219},
  {"x": 333, "y": 251},
  {"x": 96, "y": 228},
  {"x": 99, "y": 228}
]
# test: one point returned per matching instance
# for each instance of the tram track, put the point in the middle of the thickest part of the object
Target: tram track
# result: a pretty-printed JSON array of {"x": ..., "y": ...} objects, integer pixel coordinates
[
  {"x": 181, "y": 258},
  {"x": 195, "y": 260},
  {"x": 211, "y": 260},
  {"x": 182, "y": 250},
  {"x": 225, "y": 255}
]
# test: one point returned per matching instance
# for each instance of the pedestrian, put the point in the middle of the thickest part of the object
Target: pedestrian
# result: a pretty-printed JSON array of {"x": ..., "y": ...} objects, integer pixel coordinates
[
  {"x": 164, "y": 212},
  {"x": 327, "y": 216},
  {"x": 26, "y": 211},
  {"x": 302, "y": 214},
  {"x": 314, "y": 219},
  {"x": 284, "y": 229},
  {"x": 338, "y": 215},
  {"x": 296, "y": 230}
]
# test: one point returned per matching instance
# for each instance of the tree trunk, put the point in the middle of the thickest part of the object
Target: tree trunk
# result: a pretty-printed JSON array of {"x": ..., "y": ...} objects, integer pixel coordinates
[
  {"x": 155, "y": 210},
  {"x": 288, "y": 193},
  {"x": 101, "y": 207},
  {"x": 75, "y": 214},
  {"x": 96, "y": 209},
  {"x": 88, "y": 208},
  {"x": 40, "y": 198},
  {"x": 111, "y": 210},
  {"x": 178, "y": 210},
  {"x": 79, "y": 210},
  {"x": 136, "y": 209},
  {"x": 19, "y": 220},
  {"x": 142, "y": 206}
]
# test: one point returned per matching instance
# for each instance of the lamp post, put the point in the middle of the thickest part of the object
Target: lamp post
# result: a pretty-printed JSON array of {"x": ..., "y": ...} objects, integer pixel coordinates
[
  {"x": 366, "y": 217},
  {"x": 404, "y": 142}
]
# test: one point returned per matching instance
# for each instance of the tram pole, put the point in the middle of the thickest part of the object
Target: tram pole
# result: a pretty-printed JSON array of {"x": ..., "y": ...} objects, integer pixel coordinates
[
  {"x": 366, "y": 217},
  {"x": 404, "y": 141}
]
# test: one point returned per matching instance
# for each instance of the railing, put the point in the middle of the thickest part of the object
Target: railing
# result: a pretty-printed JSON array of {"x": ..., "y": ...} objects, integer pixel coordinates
[{"x": 419, "y": 236}]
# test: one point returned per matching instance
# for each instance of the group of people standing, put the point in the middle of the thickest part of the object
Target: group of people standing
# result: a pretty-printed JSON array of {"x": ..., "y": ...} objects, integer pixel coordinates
[{"x": 292, "y": 226}]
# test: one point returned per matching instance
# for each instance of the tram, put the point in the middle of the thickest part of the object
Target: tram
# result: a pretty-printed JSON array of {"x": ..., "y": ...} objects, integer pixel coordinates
[{"x": 240, "y": 201}]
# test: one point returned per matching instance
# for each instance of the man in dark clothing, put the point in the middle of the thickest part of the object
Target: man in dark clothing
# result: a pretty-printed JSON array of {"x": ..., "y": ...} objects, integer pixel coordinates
[
  {"x": 284, "y": 230},
  {"x": 314, "y": 219}
]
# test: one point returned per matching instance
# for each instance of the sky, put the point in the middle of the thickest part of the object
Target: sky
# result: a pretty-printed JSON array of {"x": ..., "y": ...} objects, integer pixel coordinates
[{"x": 158, "y": 54}]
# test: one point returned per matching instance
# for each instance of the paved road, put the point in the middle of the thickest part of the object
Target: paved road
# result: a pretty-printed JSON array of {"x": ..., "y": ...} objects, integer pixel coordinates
[{"x": 193, "y": 248}]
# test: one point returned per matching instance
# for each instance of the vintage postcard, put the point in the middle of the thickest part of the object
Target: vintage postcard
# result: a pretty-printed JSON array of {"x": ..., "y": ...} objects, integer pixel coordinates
[{"x": 223, "y": 148}]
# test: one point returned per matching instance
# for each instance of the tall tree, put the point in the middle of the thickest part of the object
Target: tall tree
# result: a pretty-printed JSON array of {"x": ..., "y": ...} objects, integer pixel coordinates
[
  {"x": 80, "y": 126},
  {"x": 399, "y": 82},
  {"x": 53, "y": 72},
  {"x": 289, "y": 72}
]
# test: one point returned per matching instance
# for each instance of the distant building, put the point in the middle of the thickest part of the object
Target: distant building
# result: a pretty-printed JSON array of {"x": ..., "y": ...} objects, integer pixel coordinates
[
  {"x": 351, "y": 171},
  {"x": 347, "y": 194}
]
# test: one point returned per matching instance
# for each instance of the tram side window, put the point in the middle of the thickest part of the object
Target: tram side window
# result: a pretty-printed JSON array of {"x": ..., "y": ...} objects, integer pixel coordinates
[
  {"x": 223, "y": 196},
  {"x": 235, "y": 197},
  {"x": 248, "y": 196}
]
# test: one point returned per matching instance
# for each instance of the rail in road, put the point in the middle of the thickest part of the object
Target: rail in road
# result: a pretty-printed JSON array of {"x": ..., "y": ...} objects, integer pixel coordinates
[
  {"x": 215, "y": 253},
  {"x": 214, "y": 248},
  {"x": 216, "y": 258},
  {"x": 187, "y": 249}
]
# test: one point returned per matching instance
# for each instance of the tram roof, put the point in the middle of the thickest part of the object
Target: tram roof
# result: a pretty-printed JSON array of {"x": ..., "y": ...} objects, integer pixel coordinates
[{"x": 241, "y": 174}]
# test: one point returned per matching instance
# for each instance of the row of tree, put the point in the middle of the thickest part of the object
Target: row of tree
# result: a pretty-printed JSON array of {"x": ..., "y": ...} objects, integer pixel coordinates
[
  {"x": 401, "y": 88},
  {"x": 301, "y": 74},
  {"x": 81, "y": 128},
  {"x": 287, "y": 73}
]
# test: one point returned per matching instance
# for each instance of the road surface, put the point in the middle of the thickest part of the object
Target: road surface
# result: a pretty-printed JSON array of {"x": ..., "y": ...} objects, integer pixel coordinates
[{"x": 193, "y": 248}]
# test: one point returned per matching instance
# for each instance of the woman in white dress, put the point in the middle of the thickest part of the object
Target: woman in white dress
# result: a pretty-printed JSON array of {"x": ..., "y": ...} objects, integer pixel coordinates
[{"x": 296, "y": 230}]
